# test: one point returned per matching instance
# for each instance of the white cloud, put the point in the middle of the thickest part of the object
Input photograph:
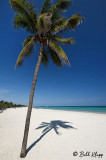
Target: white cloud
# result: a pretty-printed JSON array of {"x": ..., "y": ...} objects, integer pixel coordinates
[{"x": 3, "y": 91}]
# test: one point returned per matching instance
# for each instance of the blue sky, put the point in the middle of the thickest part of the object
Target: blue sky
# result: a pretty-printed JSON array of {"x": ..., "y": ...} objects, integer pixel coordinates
[{"x": 84, "y": 83}]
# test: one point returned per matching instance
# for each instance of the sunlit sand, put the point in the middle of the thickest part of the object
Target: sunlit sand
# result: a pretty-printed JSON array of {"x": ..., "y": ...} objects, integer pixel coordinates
[{"x": 53, "y": 134}]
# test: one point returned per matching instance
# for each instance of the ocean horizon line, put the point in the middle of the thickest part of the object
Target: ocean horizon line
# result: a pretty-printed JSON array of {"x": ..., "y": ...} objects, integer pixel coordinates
[
  {"x": 94, "y": 109},
  {"x": 70, "y": 106}
]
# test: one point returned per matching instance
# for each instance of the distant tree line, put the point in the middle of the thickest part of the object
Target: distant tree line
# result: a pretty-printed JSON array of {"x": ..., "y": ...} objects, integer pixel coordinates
[{"x": 5, "y": 104}]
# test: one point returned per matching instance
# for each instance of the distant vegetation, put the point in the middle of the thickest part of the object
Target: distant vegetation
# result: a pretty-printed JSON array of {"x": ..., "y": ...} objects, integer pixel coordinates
[{"x": 5, "y": 104}]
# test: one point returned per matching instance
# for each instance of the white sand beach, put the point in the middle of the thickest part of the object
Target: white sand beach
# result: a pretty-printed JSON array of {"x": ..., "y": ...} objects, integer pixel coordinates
[{"x": 64, "y": 133}]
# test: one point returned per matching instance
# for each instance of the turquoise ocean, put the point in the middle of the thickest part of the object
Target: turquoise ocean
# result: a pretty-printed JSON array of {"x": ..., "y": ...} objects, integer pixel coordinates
[{"x": 94, "y": 109}]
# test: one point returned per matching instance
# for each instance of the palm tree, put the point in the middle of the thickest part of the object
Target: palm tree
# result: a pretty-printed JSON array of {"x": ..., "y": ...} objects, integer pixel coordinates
[{"x": 44, "y": 29}]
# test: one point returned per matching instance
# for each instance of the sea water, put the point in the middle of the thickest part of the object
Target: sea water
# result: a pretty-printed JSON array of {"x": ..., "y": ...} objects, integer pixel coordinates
[{"x": 96, "y": 109}]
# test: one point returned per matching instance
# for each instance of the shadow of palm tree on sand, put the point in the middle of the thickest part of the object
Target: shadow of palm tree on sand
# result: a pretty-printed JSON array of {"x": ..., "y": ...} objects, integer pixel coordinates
[{"x": 47, "y": 127}]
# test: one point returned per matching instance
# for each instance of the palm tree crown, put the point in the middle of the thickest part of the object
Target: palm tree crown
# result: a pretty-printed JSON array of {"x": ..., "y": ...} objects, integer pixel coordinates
[{"x": 44, "y": 28}]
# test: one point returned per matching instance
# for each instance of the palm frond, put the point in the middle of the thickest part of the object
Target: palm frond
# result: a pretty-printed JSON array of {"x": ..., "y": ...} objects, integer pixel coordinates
[
  {"x": 25, "y": 8},
  {"x": 63, "y": 4},
  {"x": 21, "y": 21},
  {"x": 57, "y": 23},
  {"x": 46, "y": 6},
  {"x": 71, "y": 23},
  {"x": 59, "y": 27},
  {"x": 44, "y": 23},
  {"x": 26, "y": 51},
  {"x": 62, "y": 40},
  {"x": 55, "y": 58},
  {"x": 74, "y": 21},
  {"x": 55, "y": 17},
  {"x": 26, "y": 41},
  {"x": 60, "y": 21},
  {"x": 45, "y": 59},
  {"x": 54, "y": 46},
  {"x": 56, "y": 9}
]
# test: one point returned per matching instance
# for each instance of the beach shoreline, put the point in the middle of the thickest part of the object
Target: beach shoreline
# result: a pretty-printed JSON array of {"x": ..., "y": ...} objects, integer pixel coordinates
[
  {"x": 76, "y": 131},
  {"x": 73, "y": 111}
]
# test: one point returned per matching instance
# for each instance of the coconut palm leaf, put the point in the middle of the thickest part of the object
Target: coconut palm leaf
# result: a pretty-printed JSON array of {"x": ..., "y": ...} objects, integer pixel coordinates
[
  {"x": 27, "y": 40},
  {"x": 45, "y": 58},
  {"x": 59, "y": 27},
  {"x": 60, "y": 5},
  {"x": 55, "y": 16},
  {"x": 48, "y": 52},
  {"x": 57, "y": 23},
  {"x": 71, "y": 23},
  {"x": 21, "y": 21},
  {"x": 74, "y": 21},
  {"x": 44, "y": 23},
  {"x": 46, "y": 6},
  {"x": 62, "y": 40},
  {"x": 26, "y": 51},
  {"x": 56, "y": 9},
  {"x": 63, "y": 4},
  {"x": 26, "y": 9},
  {"x": 55, "y": 58},
  {"x": 61, "y": 54}
]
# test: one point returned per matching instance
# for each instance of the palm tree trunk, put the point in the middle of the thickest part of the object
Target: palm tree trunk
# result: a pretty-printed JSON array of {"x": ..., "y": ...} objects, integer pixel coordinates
[{"x": 26, "y": 130}]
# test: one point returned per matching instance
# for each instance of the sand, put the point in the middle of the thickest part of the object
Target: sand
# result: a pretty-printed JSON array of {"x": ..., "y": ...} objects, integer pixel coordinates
[{"x": 64, "y": 133}]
